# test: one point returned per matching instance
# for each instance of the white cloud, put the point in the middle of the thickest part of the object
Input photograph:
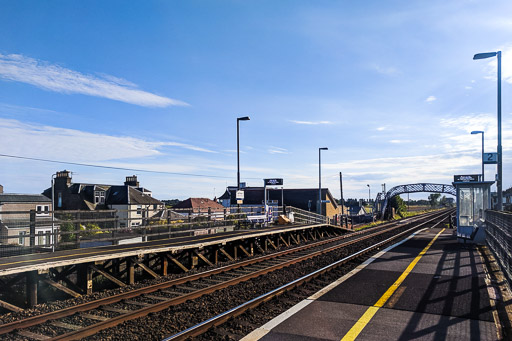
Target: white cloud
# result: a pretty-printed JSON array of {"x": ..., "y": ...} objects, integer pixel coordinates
[
  {"x": 311, "y": 122},
  {"x": 468, "y": 87},
  {"x": 506, "y": 67},
  {"x": 56, "y": 78},
  {"x": 430, "y": 99},
  {"x": 75, "y": 145},
  {"x": 382, "y": 128}
]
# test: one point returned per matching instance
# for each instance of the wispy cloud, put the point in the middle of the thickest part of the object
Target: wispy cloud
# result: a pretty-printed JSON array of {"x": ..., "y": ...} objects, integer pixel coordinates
[
  {"x": 75, "y": 145},
  {"x": 430, "y": 99},
  {"x": 277, "y": 150},
  {"x": 387, "y": 71},
  {"x": 56, "y": 78},
  {"x": 311, "y": 122},
  {"x": 382, "y": 128},
  {"x": 399, "y": 141}
]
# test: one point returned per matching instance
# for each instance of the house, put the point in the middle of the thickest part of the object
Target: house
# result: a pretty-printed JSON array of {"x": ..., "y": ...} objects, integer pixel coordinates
[
  {"x": 134, "y": 204},
  {"x": 303, "y": 198},
  {"x": 196, "y": 206},
  {"x": 18, "y": 211}
]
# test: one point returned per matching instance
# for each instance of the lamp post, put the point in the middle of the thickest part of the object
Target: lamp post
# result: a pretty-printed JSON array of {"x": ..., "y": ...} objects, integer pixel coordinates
[
  {"x": 481, "y": 132},
  {"x": 499, "y": 180},
  {"x": 52, "y": 236},
  {"x": 319, "y": 205},
  {"x": 369, "y": 196},
  {"x": 245, "y": 118}
]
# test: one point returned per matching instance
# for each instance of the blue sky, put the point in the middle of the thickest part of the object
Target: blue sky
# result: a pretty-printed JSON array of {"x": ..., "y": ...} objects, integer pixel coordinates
[{"x": 389, "y": 87}]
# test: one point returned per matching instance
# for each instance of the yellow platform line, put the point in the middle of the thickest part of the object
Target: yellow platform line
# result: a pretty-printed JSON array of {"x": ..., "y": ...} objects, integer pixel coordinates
[{"x": 358, "y": 327}]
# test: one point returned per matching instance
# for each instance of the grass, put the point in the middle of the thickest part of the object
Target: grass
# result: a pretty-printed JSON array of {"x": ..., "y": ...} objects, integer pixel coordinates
[{"x": 406, "y": 215}]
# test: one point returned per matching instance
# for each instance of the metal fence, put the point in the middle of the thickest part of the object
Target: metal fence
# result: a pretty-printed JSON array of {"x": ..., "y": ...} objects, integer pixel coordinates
[
  {"x": 25, "y": 232},
  {"x": 499, "y": 239}
]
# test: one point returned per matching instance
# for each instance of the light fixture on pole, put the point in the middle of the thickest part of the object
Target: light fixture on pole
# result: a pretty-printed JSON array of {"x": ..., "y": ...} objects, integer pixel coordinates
[
  {"x": 319, "y": 205},
  {"x": 481, "y": 132},
  {"x": 245, "y": 118},
  {"x": 499, "y": 180},
  {"x": 369, "y": 196}
]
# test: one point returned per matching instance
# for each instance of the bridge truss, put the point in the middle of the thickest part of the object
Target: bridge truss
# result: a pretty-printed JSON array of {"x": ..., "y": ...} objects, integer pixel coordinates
[{"x": 382, "y": 199}]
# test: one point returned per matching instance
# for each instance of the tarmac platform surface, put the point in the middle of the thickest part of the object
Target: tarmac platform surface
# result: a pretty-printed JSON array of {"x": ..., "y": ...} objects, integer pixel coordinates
[{"x": 403, "y": 293}]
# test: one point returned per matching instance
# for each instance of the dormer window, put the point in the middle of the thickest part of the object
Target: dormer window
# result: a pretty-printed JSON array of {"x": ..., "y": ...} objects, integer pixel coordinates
[{"x": 99, "y": 197}]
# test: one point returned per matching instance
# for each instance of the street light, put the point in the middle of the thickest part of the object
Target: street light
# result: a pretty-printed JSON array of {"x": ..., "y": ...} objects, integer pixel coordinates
[
  {"x": 369, "y": 196},
  {"x": 481, "y": 132},
  {"x": 245, "y": 118},
  {"x": 319, "y": 205},
  {"x": 499, "y": 180}
]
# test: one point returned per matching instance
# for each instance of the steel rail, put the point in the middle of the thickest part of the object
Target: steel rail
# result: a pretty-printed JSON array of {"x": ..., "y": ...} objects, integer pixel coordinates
[
  {"x": 93, "y": 329},
  {"x": 234, "y": 312},
  {"x": 39, "y": 319}
]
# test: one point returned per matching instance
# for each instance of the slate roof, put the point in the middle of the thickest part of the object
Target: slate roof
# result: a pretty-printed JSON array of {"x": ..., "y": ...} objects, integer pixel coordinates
[
  {"x": 80, "y": 196},
  {"x": 127, "y": 195},
  {"x": 297, "y": 197},
  {"x": 21, "y": 198}
]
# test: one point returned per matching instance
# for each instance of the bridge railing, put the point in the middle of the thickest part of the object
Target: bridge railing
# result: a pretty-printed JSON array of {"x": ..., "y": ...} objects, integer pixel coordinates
[
  {"x": 499, "y": 239},
  {"x": 306, "y": 217},
  {"x": 26, "y": 232}
]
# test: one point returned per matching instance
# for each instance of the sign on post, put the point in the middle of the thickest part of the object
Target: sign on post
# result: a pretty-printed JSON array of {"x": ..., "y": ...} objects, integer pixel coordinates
[
  {"x": 273, "y": 182},
  {"x": 239, "y": 194},
  {"x": 466, "y": 178},
  {"x": 490, "y": 158}
]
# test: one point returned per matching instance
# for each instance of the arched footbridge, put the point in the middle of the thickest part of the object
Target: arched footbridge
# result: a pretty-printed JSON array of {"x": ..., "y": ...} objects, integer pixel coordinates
[{"x": 382, "y": 200}]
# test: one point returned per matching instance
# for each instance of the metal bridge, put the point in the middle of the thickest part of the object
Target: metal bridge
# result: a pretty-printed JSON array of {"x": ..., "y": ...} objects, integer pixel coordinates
[{"x": 382, "y": 199}]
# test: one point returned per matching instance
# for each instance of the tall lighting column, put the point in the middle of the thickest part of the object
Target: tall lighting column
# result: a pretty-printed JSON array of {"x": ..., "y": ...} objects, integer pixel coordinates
[
  {"x": 245, "y": 118},
  {"x": 481, "y": 132},
  {"x": 499, "y": 180},
  {"x": 369, "y": 196},
  {"x": 319, "y": 205}
]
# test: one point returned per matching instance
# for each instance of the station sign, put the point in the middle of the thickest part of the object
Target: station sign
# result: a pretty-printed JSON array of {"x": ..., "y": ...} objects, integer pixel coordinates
[
  {"x": 273, "y": 182},
  {"x": 490, "y": 158},
  {"x": 466, "y": 178},
  {"x": 326, "y": 201},
  {"x": 239, "y": 195}
]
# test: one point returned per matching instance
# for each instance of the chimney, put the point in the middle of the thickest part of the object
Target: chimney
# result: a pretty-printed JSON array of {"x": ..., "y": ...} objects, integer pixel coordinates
[
  {"x": 1, "y": 189},
  {"x": 131, "y": 181},
  {"x": 62, "y": 179}
]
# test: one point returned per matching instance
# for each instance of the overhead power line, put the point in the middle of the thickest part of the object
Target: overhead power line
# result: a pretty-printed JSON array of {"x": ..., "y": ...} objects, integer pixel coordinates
[{"x": 118, "y": 168}]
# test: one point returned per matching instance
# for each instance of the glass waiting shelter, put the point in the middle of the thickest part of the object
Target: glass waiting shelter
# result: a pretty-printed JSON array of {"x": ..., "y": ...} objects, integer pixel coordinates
[{"x": 473, "y": 198}]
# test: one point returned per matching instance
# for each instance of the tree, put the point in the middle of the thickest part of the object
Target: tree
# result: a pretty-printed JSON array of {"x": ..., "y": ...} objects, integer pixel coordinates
[
  {"x": 432, "y": 198},
  {"x": 399, "y": 205},
  {"x": 90, "y": 229}
]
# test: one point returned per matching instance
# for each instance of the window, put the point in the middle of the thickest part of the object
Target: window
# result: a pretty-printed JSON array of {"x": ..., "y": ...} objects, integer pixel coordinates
[
  {"x": 22, "y": 239},
  {"x": 40, "y": 238},
  {"x": 42, "y": 210},
  {"x": 139, "y": 209},
  {"x": 99, "y": 197},
  {"x": 59, "y": 200}
]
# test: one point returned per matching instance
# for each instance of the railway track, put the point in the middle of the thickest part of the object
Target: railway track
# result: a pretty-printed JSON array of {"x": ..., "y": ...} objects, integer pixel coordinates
[{"x": 89, "y": 318}]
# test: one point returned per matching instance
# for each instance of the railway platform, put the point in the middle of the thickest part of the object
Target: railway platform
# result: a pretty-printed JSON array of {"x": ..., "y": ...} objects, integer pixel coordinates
[
  {"x": 427, "y": 287},
  {"x": 73, "y": 271}
]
